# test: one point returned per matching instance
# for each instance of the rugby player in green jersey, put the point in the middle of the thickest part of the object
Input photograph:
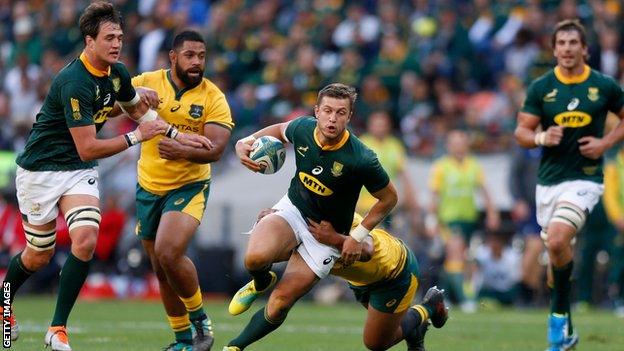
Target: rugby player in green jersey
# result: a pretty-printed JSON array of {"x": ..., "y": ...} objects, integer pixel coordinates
[
  {"x": 332, "y": 166},
  {"x": 565, "y": 112},
  {"x": 56, "y": 172}
]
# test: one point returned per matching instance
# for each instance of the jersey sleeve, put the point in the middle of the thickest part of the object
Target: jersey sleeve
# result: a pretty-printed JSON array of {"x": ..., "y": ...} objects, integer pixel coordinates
[
  {"x": 374, "y": 175},
  {"x": 138, "y": 81},
  {"x": 532, "y": 103},
  {"x": 292, "y": 127},
  {"x": 77, "y": 101},
  {"x": 126, "y": 90},
  {"x": 219, "y": 112},
  {"x": 616, "y": 98}
]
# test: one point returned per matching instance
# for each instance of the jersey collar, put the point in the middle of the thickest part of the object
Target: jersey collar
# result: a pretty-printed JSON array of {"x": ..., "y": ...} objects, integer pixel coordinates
[
  {"x": 343, "y": 140},
  {"x": 94, "y": 71},
  {"x": 574, "y": 79}
]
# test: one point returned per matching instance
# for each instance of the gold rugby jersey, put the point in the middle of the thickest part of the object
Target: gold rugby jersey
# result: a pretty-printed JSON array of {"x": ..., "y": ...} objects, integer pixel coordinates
[
  {"x": 188, "y": 110},
  {"x": 387, "y": 261}
]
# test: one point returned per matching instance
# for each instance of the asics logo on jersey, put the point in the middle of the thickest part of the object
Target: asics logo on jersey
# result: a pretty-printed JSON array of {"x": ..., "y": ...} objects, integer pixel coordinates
[
  {"x": 551, "y": 97},
  {"x": 573, "y": 104},
  {"x": 327, "y": 260},
  {"x": 391, "y": 303},
  {"x": 317, "y": 170},
  {"x": 314, "y": 185},
  {"x": 302, "y": 150},
  {"x": 91, "y": 181},
  {"x": 179, "y": 201},
  {"x": 175, "y": 108},
  {"x": 107, "y": 99}
]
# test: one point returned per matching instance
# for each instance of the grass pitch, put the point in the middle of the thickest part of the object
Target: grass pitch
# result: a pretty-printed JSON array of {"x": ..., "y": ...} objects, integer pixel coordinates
[{"x": 141, "y": 326}]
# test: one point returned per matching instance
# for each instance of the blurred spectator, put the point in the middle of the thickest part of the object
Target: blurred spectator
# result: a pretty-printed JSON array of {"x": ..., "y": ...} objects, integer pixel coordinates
[
  {"x": 497, "y": 276},
  {"x": 455, "y": 180},
  {"x": 393, "y": 158}
]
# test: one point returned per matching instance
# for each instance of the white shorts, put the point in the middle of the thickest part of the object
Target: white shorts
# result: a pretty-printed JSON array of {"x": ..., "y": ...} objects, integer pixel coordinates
[
  {"x": 38, "y": 193},
  {"x": 319, "y": 257},
  {"x": 582, "y": 193}
]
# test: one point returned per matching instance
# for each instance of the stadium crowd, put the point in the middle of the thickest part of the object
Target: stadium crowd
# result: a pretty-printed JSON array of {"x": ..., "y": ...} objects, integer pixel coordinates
[{"x": 433, "y": 66}]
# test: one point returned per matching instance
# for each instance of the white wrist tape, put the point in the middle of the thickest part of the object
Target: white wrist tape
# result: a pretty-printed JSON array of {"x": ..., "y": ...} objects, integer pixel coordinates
[
  {"x": 359, "y": 233},
  {"x": 540, "y": 138},
  {"x": 132, "y": 138},
  {"x": 150, "y": 115},
  {"x": 172, "y": 132}
]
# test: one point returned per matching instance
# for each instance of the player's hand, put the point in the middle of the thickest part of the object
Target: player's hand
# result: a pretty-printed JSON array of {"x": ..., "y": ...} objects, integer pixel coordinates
[
  {"x": 351, "y": 251},
  {"x": 553, "y": 136},
  {"x": 243, "y": 148},
  {"x": 148, "y": 130},
  {"x": 170, "y": 149},
  {"x": 194, "y": 140},
  {"x": 323, "y": 232},
  {"x": 592, "y": 147},
  {"x": 148, "y": 96}
]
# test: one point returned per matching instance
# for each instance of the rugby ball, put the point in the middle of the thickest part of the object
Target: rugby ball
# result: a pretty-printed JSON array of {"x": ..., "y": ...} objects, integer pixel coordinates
[{"x": 269, "y": 152}]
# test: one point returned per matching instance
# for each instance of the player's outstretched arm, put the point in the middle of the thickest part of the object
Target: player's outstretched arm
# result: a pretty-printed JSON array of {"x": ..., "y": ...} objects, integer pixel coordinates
[{"x": 89, "y": 147}]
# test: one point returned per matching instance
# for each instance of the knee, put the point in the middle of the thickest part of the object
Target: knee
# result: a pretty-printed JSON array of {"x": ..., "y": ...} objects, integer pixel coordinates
[
  {"x": 372, "y": 343},
  {"x": 557, "y": 242},
  {"x": 35, "y": 260},
  {"x": 255, "y": 261},
  {"x": 83, "y": 244},
  {"x": 167, "y": 259},
  {"x": 279, "y": 304}
]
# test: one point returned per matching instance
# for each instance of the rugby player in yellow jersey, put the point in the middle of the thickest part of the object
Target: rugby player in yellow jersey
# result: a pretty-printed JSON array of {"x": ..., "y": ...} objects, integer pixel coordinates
[
  {"x": 384, "y": 280},
  {"x": 174, "y": 182}
]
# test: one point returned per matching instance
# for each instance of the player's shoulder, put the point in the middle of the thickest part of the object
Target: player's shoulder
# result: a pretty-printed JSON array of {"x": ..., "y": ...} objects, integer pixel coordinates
[
  {"x": 546, "y": 79},
  {"x": 600, "y": 77},
  {"x": 211, "y": 88},
  {"x": 307, "y": 122},
  {"x": 73, "y": 71},
  {"x": 159, "y": 75}
]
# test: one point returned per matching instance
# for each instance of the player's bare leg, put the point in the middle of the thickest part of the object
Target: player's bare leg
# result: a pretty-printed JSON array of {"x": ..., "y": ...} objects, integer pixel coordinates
[
  {"x": 29, "y": 261},
  {"x": 174, "y": 307},
  {"x": 558, "y": 243},
  {"x": 272, "y": 240},
  {"x": 83, "y": 216},
  {"x": 175, "y": 231},
  {"x": 297, "y": 280}
]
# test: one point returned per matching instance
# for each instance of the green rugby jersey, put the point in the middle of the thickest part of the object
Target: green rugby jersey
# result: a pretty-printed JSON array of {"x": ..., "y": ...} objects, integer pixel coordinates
[
  {"x": 328, "y": 180},
  {"x": 580, "y": 104},
  {"x": 80, "y": 95}
]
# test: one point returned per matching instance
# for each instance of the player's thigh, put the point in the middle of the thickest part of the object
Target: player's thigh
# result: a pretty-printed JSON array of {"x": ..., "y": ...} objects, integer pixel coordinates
[
  {"x": 272, "y": 237},
  {"x": 149, "y": 209}
]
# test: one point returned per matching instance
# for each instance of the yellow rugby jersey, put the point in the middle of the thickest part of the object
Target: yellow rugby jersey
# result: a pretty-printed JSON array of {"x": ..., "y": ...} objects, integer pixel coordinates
[
  {"x": 188, "y": 110},
  {"x": 387, "y": 262}
]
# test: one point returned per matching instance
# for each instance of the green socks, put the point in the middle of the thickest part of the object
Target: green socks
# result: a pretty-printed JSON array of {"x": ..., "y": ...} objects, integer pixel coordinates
[
  {"x": 73, "y": 276},
  {"x": 560, "y": 294},
  {"x": 16, "y": 274},
  {"x": 259, "y": 326}
]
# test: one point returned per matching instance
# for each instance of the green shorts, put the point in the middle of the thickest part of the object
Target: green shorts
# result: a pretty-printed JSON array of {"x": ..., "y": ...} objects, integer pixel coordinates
[
  {"x": 465, "y": 229},
  {"x": 190, "y": 199},
  {"x": 392, "y": 296}
]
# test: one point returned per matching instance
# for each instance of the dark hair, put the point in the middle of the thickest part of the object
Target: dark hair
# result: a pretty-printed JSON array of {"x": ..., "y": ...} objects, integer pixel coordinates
[
  {"x": 187, "y": 35},
  {"x": 569, "y": 25},
  {"x": 96, "y": 14},
  {"x": 338, "y": 91}
]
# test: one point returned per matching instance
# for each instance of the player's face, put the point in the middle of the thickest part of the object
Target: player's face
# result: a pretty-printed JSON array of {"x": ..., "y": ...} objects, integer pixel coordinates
[
  {"x": 457, "y": 144},
  {"x": 189, "y": 62},
  {"x": 569, "y": 50},
  {"x": 332, "y": 116},
  {"x": 107, "y": 45}
]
